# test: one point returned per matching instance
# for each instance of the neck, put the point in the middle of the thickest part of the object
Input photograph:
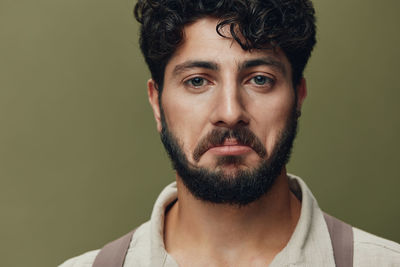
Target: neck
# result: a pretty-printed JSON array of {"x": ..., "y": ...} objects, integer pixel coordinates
[{"x": 217, "y": 232}]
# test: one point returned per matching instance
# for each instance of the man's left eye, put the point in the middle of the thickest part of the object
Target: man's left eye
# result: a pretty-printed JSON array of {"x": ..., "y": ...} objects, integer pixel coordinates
[
  {"x": 261, "y": 80},
  {"x": 196, "y": 81}
]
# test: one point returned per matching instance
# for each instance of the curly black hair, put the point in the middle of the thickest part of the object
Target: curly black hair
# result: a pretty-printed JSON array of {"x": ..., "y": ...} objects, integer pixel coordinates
[{"x": 254, "y": 24}]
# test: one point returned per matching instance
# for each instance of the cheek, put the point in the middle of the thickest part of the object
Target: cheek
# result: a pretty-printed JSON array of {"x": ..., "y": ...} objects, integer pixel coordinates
[
  {"x": 273, "y": 115},
  {"x": 276, "y": 130},
  {"x": 184, "y": 119}
]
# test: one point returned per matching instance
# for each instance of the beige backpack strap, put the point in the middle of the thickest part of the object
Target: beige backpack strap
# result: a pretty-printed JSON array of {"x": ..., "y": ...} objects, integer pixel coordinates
[
  {"x": 342, "y": 241},
  {"x": 113, "y": 254}
]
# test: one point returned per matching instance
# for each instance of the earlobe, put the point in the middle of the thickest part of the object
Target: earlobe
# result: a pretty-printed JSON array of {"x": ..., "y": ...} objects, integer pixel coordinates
[
  {"x": 301, "y": 93},
  {"x": 152, "y": 93}
]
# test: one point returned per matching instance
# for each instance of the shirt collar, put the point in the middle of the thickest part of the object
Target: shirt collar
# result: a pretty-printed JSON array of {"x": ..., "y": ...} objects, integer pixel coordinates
[{"x": 309, "y": 244}]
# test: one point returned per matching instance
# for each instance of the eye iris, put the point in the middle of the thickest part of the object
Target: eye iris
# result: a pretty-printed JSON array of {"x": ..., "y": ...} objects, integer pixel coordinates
[
  {"x": 260, "y": 80},
  {"x": 197, "y": 81}
]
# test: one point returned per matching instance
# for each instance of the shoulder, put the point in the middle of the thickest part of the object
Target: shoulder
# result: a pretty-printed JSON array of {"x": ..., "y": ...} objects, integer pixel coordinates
[
  {"x": 84, "y": 260},
  {"x": 87, "y": 259},
  {"x": 371, "y": 250}
]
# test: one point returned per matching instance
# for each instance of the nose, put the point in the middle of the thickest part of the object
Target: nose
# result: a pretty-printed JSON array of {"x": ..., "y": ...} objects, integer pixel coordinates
[{"x": 230, "y": 107}]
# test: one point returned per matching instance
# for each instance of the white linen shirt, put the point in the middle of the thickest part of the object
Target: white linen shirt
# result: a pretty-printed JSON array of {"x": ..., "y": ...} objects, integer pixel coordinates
[{"x": 309, "y": 245}]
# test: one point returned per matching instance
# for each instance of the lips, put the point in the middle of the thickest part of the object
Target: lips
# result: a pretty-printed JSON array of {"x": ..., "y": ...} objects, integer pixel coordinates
[
  {"x": 229, "y": 142},
  {"x": 230, "y": 147}
]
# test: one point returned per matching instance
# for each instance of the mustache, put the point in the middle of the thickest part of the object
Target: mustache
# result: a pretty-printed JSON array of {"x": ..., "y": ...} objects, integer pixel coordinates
[{"x": 216, "y": 137}]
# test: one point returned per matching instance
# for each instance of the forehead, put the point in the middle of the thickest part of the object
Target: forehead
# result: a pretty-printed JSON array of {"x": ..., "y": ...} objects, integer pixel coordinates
[{"x": 201, "y": 42}]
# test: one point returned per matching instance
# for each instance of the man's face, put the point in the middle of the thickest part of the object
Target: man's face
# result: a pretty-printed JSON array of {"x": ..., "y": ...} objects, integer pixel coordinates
[{"x": 227, "y": 116}]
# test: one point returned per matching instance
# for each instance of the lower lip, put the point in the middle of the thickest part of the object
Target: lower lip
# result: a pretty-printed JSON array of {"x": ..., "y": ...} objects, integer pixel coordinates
[{"x": 230, "y": 150}]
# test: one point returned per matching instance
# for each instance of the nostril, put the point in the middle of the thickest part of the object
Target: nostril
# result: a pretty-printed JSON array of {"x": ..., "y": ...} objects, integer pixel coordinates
[
  {"x": 242, "y": 123},
  {"x": 239, "y": 123}
]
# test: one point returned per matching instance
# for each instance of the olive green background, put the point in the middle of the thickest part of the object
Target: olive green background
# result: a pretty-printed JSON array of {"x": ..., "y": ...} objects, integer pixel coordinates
[{"x": 80, "y": 159}]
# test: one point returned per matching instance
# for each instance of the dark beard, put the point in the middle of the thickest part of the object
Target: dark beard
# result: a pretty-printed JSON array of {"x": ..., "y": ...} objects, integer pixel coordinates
[{"x": 242, "y": 187}]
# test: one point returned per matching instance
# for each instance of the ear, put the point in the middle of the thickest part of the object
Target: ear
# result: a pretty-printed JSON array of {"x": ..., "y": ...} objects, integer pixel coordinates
[
  {"x": 152, "y": 93},
  {"x": 301, "y": 93}
]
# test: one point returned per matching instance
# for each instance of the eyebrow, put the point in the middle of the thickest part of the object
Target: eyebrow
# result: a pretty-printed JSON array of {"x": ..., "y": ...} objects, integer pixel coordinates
[
  {"x": 266, "y": 61},
  {"x": 194, "y": 64}
]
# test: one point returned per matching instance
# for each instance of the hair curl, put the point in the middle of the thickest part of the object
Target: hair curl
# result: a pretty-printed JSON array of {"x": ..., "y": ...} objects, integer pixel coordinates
[{"x": 254, "y": 24}]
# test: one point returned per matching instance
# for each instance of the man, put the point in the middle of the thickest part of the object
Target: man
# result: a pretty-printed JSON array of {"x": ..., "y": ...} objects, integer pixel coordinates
[{"x": 226, "y": 91}]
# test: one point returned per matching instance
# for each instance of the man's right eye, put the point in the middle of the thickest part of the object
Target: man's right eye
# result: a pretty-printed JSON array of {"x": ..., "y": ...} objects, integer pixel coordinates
[{"x": 196, "y": 82}]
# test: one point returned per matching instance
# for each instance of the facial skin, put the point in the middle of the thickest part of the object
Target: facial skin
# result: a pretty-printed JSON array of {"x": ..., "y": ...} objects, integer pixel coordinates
[{"x": 211, "y": 85}]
